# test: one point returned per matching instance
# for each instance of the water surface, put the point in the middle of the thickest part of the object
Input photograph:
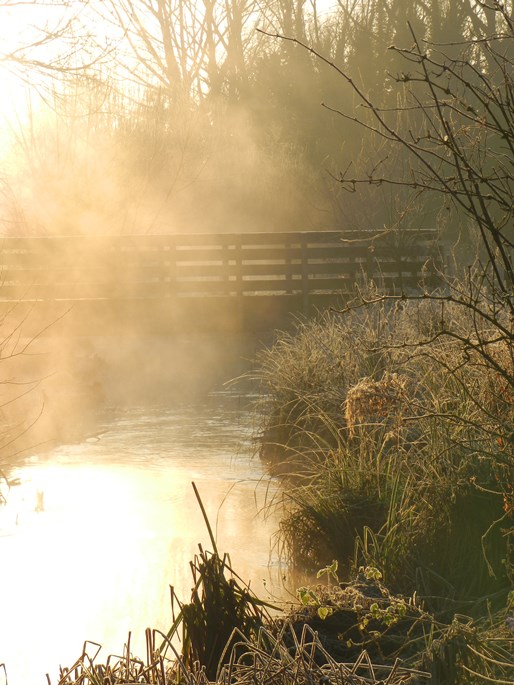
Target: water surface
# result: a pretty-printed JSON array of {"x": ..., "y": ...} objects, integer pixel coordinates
[{"x": 121, "y": 524}]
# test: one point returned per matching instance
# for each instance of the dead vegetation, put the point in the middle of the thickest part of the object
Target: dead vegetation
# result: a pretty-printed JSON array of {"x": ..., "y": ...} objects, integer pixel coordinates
[
  {"x": 354, "y": 633},
  {"x": 373, "y": 402}
]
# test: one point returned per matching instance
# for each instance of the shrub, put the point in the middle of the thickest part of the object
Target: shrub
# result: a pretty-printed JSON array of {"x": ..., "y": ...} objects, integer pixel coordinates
[{"x": 396, "y": 449}]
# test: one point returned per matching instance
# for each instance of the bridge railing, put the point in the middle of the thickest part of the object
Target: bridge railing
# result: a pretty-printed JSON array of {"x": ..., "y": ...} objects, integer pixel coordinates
[{"x": 209, "y": 265}]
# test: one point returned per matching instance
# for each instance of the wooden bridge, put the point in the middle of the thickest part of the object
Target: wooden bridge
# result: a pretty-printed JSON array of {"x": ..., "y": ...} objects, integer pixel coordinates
[{"x": 199, "y": 282}]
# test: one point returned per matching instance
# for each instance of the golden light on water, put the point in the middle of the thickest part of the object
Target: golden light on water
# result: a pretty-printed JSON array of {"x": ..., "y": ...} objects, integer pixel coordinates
[{"x": 99, "y": 560}]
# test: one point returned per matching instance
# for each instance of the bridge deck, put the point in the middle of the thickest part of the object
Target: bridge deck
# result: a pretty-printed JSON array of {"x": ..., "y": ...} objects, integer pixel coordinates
[{"x": 250, "y": 280}]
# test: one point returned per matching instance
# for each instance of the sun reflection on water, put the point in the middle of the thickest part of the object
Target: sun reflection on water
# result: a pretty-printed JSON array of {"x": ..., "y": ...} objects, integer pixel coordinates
[{"x": 99, "y": 560}]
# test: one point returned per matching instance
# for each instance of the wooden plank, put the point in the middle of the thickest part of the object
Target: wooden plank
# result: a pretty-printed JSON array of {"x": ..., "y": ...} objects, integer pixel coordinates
[
  {"x": 288, "y": 270},
  {"x": 203, "y": 240},
  {"x": 187, "y": 255},
  {"x": 235, "y": 269},
  {"x": 324, "y": 252},
  {"x": 196, "y": 288},
  {"x": 149, "y": 260},
  {"x": 276, "y": 253},
  {"x": 290, "y": 237}
]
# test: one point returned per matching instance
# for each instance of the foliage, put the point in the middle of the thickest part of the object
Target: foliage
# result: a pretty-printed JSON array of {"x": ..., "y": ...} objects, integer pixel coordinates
[
  {"x": 292, "y": 650},
  {"x": 281, "y": 657},
  {"x": 363, "y": 614},
  {"x": 356, "y": 631},
  {"x": 220, "y": 608},
  {"x": 426, "y": 434},
  {"x": 416, "y": 486}
]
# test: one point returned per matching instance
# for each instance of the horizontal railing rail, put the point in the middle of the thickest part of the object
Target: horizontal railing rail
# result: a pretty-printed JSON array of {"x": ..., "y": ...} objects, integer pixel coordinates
[{"x": 210, "y": 265}]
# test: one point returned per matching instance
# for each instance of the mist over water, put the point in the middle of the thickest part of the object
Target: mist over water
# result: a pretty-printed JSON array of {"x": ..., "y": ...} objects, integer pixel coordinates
[{"x": 120, "y": 521}]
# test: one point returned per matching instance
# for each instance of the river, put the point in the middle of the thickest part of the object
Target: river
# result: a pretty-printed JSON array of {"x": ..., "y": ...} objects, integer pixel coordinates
[{"x": 121, "y": 523}]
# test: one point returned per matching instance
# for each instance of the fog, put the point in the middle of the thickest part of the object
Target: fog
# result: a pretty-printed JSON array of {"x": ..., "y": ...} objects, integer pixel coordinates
[
  {"x": 86, "y": 172},
  {"x": 143, "y": 119},
  {"x": 140, "y": 119},
  {"x": 59, "y": 389}
]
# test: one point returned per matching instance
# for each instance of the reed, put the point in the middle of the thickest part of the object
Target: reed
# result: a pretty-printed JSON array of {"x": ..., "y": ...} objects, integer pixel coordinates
[
  {"x": 219, "y": 606},
  {"x": 268, "y": 659}
]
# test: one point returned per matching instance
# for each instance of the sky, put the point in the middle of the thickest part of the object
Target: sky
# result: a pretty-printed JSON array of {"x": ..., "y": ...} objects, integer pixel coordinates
[
  {"x": 21, "y": 24},
  {"x": 24, "y": 44}
]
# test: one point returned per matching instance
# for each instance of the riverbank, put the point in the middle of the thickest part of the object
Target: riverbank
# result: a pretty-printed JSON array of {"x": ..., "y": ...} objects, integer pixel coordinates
[
  {"x": 398, "y": 454},
  {"x": 350, "y": 474},
  {"x": 356, "y": 632},
  {"x": 394, "y": 446}
]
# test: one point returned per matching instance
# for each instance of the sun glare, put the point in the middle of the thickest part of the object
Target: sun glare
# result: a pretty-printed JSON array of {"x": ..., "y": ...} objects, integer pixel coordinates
[
  {"x": 14, "y": 96},
  {"x": 29, "y": 40},
  {"x": 15, "y": 87}
]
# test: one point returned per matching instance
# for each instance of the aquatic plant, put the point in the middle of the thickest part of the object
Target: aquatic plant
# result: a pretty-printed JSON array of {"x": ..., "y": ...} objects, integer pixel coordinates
[
  {"x": 220, "y": 604},
  {"x": 284, "y": 658}
]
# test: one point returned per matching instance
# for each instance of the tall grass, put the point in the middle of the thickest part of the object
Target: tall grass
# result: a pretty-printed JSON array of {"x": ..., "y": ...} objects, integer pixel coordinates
[
  {"x": 396, "y": 446},
  {"x": 366, "y": 636},
  {"x": 356, "y": 632}
]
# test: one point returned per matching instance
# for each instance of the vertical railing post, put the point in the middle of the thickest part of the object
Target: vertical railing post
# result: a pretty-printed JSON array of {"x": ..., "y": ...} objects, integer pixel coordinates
[
  {"x": 370, "y": 259},
  {"x": 238, "y": 265},
  {"x": 288, "y": 263},
  {"x": 400, "y": 251},
  {"x": 227, "y": 252},
  {"x": 305, "y": 277},
  {"x": 231, "y": 262},
  {"x": 239, "y": 308}
]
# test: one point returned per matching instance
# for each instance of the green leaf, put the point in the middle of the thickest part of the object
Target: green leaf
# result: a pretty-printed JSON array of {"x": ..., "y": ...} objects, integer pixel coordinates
[
  {"x": 306, "y": 596},
  {"x": 303, "y": 595},
  {"x": 323, "y": 612},
  {"x": 329, "y": 570}
]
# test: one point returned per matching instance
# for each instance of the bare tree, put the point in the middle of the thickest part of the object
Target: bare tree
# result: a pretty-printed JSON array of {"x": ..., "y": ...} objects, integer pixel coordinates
[
  {"x": 187, "y": 49},
  {"x": 454, "y": 122},
  {"x": 45, "y": 40}
]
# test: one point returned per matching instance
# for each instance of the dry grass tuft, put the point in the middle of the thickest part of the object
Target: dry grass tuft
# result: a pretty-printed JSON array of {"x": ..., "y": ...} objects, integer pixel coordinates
[
  {"x": 304, "y": 661},
  {"x": 283, "y": 659},
  {"x": 354, "y": 633},
  {"x": 117, "y": 670}
]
